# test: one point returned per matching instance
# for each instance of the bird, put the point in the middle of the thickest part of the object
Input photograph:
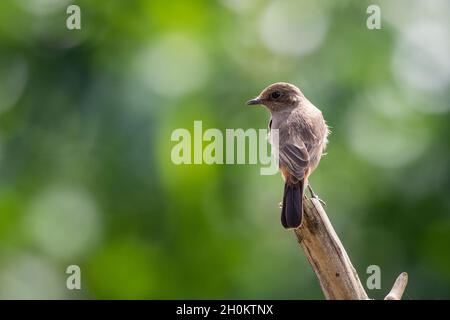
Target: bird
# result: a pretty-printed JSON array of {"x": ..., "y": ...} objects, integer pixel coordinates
[{"x": 303, "y": 137}]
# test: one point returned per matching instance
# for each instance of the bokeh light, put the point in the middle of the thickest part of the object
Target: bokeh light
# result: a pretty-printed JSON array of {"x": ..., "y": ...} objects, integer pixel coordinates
[
  {"x": 292, "y": 27},
  {"x": 27, "y": 276},
  {"x": 421, "y": 56},
  {"x": 63, "y": 222},
  {"x": 384, "y": 131},
  {"x": 173, "y": 66}
]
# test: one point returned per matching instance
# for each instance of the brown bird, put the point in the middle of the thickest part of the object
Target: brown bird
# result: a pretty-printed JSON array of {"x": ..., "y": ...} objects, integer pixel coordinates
[{"x": 302, "y": 133}]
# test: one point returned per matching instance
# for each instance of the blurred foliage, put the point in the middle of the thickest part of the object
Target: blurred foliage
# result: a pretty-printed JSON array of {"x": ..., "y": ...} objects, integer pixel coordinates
[{"x": 86, "y": 118}]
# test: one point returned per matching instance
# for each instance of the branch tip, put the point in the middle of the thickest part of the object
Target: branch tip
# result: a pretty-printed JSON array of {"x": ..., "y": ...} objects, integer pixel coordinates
[{"x": 398, "y": 288}]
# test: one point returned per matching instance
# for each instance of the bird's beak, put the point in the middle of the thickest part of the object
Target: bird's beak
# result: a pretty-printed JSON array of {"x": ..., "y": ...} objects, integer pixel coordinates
[{"x": 253, "y": 102}]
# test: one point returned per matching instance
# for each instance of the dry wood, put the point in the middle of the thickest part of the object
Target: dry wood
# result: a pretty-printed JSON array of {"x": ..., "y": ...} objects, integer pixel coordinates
[
  {"x": 398, "y": 288},
  {"x": 329, "y": 260}
]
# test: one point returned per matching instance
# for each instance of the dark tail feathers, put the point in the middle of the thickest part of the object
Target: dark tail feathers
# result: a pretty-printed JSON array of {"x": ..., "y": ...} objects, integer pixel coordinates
[{"x": 291, "y": 213}]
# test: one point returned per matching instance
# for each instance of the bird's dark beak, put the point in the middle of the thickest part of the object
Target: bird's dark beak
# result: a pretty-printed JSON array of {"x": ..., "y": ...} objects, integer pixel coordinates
[{"x": 253, "y": 102}]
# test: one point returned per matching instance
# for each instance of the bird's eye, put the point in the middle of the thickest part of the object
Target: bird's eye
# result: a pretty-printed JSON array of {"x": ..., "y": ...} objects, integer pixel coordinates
[{"x": 275, "y": 95}]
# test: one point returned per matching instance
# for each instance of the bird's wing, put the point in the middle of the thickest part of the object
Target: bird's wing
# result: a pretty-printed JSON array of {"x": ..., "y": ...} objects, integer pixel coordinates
[
  {"x": 294, "y": 156},
  {"x": 309, "y": 126}
]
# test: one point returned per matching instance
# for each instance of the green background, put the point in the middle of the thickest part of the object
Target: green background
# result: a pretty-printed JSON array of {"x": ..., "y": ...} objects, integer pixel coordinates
[{"x": 86, "y": 118}]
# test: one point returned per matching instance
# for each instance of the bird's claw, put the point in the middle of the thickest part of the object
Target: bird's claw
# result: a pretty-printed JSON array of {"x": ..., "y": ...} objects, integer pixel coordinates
[
  {"x": 315, "y": 196},
  {"x": 320, "y": 200}
]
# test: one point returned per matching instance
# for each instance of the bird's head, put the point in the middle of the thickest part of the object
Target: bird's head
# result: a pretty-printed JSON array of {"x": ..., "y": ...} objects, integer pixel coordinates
[{"x": 278, "y": 96}]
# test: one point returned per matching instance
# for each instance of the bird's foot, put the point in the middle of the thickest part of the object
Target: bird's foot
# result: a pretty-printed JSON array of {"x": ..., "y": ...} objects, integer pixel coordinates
[
  {"x": 280, "y": 204},
  {"x": 320, "y": 200},
  {"x": 315, "y": 196}
]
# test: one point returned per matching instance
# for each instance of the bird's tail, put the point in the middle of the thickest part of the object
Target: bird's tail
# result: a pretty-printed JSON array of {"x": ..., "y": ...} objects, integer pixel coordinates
[{"x": 291, "y": 213}]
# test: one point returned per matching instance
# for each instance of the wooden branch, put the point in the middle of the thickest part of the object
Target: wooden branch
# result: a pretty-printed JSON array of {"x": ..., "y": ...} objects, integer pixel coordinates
[
  {"x": 398, "y": 288},
  {"x": 328, "y": 258}
]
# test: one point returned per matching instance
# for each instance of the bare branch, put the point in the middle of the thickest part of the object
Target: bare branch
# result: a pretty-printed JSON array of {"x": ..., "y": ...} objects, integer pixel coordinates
[
  {"x": 398, "y": 288},
  {"x": 328, "y": 258}
]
